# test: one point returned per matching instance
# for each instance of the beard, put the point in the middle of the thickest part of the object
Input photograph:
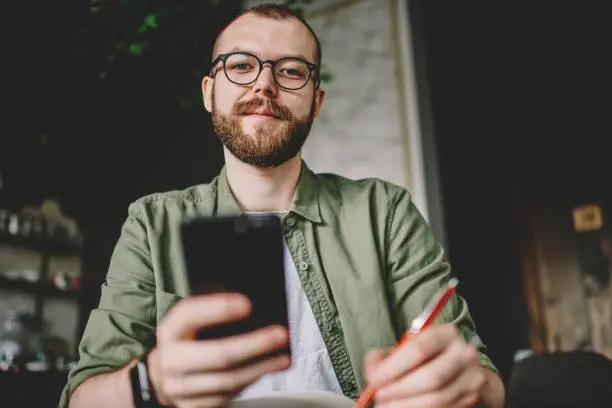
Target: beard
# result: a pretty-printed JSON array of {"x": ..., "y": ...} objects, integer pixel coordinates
[{"x": 273, "y": 143}]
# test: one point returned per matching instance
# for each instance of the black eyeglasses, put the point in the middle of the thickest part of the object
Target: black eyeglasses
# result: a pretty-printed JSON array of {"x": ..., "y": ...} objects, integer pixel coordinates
[{"x": 242, "y": 68}]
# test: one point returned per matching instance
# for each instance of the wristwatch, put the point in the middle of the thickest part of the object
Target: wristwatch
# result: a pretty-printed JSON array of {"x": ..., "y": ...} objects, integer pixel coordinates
[{"x": 142, "y": 389}]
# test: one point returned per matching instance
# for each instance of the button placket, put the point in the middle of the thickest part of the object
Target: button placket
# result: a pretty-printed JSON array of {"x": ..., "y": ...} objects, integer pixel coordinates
[
  {"x": 289, "y": 225},
  {"x": 331, "y": 330}
]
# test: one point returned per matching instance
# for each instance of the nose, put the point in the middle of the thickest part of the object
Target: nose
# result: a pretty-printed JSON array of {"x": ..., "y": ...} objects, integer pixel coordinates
[{"x": 265, "y": 83}]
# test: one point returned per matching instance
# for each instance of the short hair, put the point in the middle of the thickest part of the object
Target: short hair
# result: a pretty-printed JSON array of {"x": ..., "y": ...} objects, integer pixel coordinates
[{"x": 279, "y": 12}]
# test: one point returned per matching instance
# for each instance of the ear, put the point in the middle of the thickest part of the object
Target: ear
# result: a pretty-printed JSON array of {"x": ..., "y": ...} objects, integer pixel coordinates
[
  {"x": 319, "y": 96},
  {"x": 207, "y": 92}
]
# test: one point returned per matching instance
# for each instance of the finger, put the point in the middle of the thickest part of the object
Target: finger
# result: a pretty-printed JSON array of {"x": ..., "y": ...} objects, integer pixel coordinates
[
  {"x": 413, "y": 353},
  {"x": 459, "y": 393},
  {"x": 433, "y": 375},
  {"x": 223, "y": 383},
  {"x": 190, "y": 315},
  {"x": 222, "y": 354},
  {"x": 373, "y": 358}
]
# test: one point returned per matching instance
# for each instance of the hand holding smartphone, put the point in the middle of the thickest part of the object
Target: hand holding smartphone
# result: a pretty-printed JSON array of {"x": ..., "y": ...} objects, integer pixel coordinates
[
  {"x": 210, "y": 348},
  {"x": 238, "y": 254},
  {"x": 187, "y": 372}
]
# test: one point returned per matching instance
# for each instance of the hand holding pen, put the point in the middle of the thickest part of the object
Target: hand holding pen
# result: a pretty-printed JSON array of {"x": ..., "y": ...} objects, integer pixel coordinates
[{"x": 429, "y": 366}]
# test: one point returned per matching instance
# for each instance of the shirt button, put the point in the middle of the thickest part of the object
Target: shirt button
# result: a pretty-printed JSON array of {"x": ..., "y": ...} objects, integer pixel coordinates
[
  {"x": 290, "y": 222},
  {"x": 303, "y": 266}
]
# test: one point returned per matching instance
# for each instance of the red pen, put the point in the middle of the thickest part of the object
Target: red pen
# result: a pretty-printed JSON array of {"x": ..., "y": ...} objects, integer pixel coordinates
[{"x": 421, "y": 322}]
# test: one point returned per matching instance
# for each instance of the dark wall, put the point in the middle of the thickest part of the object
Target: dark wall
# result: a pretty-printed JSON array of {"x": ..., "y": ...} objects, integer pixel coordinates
[
  {"x": 515, "y": 90},
  {"x": 112, "y": 140}
]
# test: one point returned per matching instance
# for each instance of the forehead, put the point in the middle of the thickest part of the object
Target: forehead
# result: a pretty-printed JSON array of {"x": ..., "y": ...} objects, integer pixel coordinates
[{"x": 267, "y": 37}]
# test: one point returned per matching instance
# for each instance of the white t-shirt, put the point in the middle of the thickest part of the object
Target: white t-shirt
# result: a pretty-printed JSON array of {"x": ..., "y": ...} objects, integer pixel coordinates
[{"x": 311, "y": 367}]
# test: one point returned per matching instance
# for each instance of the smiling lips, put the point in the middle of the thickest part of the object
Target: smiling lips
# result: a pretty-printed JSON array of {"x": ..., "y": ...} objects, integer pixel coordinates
[{"x": 267, "y": 114}]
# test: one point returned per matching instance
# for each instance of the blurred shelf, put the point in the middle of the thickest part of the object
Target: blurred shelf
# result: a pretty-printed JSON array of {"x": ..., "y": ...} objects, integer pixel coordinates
[
  {"x": 48, "y": 247},
  {"x": 46, "y": 289}
]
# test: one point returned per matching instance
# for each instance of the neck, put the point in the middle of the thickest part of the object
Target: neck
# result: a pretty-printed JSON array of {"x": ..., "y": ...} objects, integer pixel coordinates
[{"x": 259, "y": 189}]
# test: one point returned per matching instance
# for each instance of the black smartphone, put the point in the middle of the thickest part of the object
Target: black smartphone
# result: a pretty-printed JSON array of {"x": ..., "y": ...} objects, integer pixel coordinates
[{"x": 240, "y": 254}]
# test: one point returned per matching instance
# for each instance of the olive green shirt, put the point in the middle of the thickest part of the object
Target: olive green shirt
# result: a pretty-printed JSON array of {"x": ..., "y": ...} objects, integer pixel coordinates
[{"x": 367, "y": 259}]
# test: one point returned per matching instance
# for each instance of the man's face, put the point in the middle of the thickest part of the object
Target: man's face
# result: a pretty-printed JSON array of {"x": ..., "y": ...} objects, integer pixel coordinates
[{"x": 261, "y": 123}]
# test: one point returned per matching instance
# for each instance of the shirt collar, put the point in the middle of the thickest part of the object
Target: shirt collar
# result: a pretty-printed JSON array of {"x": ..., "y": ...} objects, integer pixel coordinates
[{"x": 305, "y": 199}]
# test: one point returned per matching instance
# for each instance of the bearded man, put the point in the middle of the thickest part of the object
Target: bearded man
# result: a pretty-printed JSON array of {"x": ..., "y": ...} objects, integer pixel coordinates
[{"x": 361, "y": 264}]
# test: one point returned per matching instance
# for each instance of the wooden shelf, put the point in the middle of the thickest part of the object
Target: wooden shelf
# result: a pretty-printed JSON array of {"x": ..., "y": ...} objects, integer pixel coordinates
[{"x": 46, "y": 289}]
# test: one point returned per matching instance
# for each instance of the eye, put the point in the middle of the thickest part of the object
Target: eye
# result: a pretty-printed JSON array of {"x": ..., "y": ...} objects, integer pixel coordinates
[
  {"x": 292, "y": 72},
  {"x": 292, "y": 69},
  {"x": 241, "y": 66}
]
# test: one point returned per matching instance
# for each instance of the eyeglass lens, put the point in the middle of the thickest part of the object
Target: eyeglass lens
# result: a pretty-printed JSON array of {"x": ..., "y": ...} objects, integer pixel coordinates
[{"x": 243, "y": 69}]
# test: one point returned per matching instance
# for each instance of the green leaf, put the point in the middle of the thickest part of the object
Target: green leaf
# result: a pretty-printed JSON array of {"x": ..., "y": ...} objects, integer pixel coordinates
[
  {"x": 150, "y": 21},
  {"x": 137, "y": 48},
  {"x": 94, "y": 6}
]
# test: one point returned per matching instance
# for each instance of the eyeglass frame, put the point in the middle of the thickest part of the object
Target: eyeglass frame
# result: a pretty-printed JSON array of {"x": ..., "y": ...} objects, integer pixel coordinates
[{"x": 223, "y": 58}]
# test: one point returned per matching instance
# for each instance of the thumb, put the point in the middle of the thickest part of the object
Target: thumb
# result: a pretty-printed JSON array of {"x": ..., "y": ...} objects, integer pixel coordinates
[
  {"x": 373, "y": 358},
  {"x": 192, "y": 314}
]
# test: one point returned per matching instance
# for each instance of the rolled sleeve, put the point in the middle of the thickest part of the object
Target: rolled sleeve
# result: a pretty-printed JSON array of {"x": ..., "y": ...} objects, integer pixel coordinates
[
  {"x": 418, "y": 271},
  {"x": 122, "y": 327}
]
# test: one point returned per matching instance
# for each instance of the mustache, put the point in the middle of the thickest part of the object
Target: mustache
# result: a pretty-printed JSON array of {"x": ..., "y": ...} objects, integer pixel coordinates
[{"x": 243, "y": 108}]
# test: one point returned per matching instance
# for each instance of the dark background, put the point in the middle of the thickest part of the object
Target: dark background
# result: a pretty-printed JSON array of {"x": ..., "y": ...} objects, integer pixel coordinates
[{"x": 518, "y": 92}]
